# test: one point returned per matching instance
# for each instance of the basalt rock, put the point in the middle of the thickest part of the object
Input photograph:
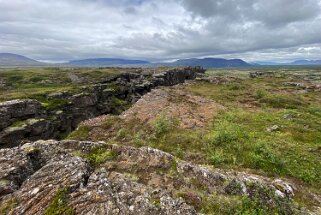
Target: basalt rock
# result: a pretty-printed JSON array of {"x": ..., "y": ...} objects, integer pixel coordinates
[
  {"x": 11, "y": 111},
  {"x": 23, "y": 120},
  {"x": 56, "y": 176}
]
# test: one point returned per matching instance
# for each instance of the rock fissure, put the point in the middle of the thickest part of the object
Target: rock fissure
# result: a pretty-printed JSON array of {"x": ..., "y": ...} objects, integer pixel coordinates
[{"x": 29, "y": 120}]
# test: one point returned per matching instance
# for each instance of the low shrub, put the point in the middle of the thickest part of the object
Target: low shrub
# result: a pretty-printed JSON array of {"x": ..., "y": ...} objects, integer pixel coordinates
[{"x": 162, "y": 124}]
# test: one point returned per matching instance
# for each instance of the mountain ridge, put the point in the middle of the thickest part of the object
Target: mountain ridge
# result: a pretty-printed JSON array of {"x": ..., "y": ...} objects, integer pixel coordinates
[
  {"x": 10, "y": 59},
  {"x": 107, "y": 62},
  {"x": 211, "y": 62}
]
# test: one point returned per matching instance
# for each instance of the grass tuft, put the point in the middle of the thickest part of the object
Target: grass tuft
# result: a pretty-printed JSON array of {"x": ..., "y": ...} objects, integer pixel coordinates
[{"x": 59, "y": 204}]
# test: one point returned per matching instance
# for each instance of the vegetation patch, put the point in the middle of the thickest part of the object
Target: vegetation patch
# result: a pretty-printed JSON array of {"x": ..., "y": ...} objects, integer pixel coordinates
[
  {"x": 53, "y": 104},
  {"x": 59, "y": 204},
  {"x": 278, "y": 101},
  {"x": 19, "y": 123},
  {"x": 81, "y": 133},
  {"x": 7, "y": 205},
  {"x": 162, "y": 124},
  {"x": 100, "y": 155},
  {"x": 118, "y": 105},
  {"x": 31, "y": 82}
]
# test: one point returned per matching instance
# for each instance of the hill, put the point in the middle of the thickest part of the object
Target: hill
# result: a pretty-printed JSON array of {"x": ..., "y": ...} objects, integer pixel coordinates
[
  {"x": 306, "y": 62},
  {"x": 8, "y": 59},
  {"x": 211, "y": 62},
  {"x": 107, "y": 62}
]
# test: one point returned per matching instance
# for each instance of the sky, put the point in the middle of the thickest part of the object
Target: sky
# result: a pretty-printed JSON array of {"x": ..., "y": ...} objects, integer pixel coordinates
[{"x": 161, "y": 30}]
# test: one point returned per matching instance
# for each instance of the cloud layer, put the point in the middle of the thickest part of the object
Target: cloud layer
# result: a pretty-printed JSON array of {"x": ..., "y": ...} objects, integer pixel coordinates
[{"x": 59, "y": 30}]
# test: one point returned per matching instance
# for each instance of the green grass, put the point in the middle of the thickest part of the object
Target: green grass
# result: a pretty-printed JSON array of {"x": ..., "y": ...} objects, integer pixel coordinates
[
  {"x": 239, "y": 139},
  {"x": 59, "y": 204},
  {"x": 31, "y": 82},
  {"x": 81, "y": 133},
  {"x": 283, "y": 101}
]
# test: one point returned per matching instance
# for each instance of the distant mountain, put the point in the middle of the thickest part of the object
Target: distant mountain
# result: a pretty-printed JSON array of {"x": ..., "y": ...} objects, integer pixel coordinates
[
  {"x": 306, "y": 62},
  {"x": 107, "y": 62},
  {"x": 294, "y": 63},
  {"x": 211, "y": 62},
  {"x": 266, "y": 63},
  {"x": 8, "y": 59}
]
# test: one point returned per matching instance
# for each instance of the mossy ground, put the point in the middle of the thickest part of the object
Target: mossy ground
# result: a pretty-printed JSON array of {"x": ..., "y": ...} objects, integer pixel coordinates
[
  {"x": 37, "y": 82},
  {"x": 237, "y": 138}
]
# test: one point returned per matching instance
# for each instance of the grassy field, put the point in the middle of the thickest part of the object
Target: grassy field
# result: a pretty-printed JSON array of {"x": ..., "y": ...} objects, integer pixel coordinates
[
  {"x": 37, "y": 82},
  {"x": 268, "y": 127}
]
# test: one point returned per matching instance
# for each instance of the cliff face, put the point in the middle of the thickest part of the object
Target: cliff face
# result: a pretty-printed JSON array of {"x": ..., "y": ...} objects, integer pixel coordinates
[{"x": 23, "y": 120}]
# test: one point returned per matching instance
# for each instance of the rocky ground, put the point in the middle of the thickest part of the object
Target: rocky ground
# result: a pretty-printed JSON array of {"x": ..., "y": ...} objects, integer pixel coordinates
[
  {"x": 50, "y": 177},
  {"x": 53, "y": 115},
  {"x": 223, "y": 144},
  {"x": 187, "y": 110}
]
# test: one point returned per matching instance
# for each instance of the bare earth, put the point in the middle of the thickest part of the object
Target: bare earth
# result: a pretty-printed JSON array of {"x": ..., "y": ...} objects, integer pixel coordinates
[{"x": 191, "y": 111}]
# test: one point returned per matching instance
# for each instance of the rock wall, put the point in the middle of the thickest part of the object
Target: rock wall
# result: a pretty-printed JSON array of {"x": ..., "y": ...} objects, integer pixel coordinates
[{"x": 25, "y": 120}]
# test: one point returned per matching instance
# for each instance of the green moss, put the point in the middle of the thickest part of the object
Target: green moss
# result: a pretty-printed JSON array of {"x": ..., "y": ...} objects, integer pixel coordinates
[
  {"x": 100, "y": 155},
  {"x": 118, "y": 105},
  {"x": 59, "y": 204},
  {"x": 53, "y": 104},
  {"x": 7, "y": 205},
  {"x": 23, "y": 123},
  {"x": 156, "y": 202},
  {"x": 81, "y": 133},
  {"x": 113, "y": 87},
  {"x": 219, "y": 204},
  {"x": 19, "y": 123}
]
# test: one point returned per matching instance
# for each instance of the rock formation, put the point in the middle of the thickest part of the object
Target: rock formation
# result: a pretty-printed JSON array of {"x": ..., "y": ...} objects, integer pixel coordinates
[
  {"x": 71, "y": 177},
  {"x": 22, "y": 120}
]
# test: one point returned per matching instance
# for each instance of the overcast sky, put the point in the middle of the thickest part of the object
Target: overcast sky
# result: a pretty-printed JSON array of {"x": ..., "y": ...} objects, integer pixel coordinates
[{"x": 156, "y": 30}]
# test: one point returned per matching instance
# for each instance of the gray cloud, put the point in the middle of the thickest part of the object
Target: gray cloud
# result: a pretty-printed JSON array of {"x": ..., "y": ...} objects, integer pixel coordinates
[{"x": 60, "y": 30}]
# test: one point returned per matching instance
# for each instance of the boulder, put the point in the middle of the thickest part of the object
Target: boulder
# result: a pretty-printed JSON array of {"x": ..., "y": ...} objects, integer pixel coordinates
[{"x": 83, "y": 100}]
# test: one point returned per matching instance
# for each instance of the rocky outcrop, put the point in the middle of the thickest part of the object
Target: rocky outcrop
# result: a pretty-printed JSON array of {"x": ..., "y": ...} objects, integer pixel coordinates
[
  {"x": 73, "y": 177},
  {"x": 23, "y": 120},
  {"x": 14, "y": 110}
]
